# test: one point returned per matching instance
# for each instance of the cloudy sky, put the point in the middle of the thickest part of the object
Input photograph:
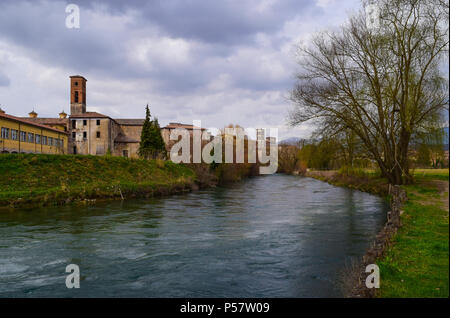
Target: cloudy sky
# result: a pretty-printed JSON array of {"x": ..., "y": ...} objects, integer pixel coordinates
[{"x": 221, "y": 61}]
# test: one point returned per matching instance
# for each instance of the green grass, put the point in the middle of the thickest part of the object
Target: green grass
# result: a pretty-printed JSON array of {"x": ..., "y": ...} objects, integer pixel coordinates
[
  {"x": 417, "y": 263},
  {"x": 42, "y": 179},
  {"x": 432, "y": 174}
]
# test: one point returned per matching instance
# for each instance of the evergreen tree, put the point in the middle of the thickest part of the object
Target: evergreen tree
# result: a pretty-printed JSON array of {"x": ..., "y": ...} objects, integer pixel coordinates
[
  {"x": 159, "y": 146},
  {"x": 146, "y": 146},
  {"x": 152, "y": 144}
]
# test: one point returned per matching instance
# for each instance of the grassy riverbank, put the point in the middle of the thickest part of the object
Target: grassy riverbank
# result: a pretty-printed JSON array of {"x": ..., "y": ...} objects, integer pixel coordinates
[
  {"x": 29, "y": 179},
  {"x": 416, "y": 264},
  {"x": 366, "y": 181}
]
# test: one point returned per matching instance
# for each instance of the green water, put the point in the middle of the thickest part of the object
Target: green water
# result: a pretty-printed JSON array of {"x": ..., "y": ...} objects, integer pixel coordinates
[{"x": 273, "y": 236}]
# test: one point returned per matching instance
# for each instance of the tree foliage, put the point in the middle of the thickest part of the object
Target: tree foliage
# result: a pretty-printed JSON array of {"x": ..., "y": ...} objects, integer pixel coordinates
[
  {"x": 152, "y": 144},
  {"x": 381, "y": 84},
  {"x": 429, "y": 146}
]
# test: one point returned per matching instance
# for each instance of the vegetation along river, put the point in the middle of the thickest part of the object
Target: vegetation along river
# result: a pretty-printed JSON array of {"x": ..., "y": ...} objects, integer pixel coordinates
[{"x": 272, "y": 236}]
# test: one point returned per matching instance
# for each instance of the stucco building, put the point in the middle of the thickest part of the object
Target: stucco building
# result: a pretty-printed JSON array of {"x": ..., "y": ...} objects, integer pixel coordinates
[{"x": 22, "y": 136}]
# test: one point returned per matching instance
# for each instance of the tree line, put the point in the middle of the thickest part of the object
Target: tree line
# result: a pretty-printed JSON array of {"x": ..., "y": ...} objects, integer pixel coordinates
[{"x": 347, "y": 151}]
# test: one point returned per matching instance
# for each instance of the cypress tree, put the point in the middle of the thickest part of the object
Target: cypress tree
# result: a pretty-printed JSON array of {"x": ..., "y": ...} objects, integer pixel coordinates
[
  {"x": 145, "y": 147},
  {"x": 158, "y": 141},
  {"x": 152, "y": 144}
]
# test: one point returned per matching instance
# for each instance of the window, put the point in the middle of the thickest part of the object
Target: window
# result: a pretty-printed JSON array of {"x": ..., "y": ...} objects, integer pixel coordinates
[
  {"x": 74, "y": 135},
  {"x": 50, "y": 141},
  {"x": 76, "y": 83},
  {"x": 84, "y": 122},
  {"x": 14, "y": 134},
  {"x": 125, "y": 153},
  {"x": 76, "y": 97},
  {"x": 38, "y": 139},
  {"x": 74, "y": 124},
  {"x": 74, "y": 150},
  {"x": 31, "y": 138},
  {"x": 44, "y": 140},
  {"x": 84, "y": 135},
  {"x": 98, "y": 122},
  {"x": 5, "y": 133},
  {"x": 98, "y": 134},
  {"x": 23, "y": 136}
]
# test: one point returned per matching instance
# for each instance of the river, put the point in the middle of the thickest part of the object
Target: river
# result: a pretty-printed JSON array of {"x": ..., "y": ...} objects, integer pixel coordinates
[{"x": 271, "y": 236}]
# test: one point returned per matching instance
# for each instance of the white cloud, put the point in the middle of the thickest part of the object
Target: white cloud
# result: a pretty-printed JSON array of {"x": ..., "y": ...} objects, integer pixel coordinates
[
  {"x": 211, "y": 72},
  {"x": 324, "y": 3}
]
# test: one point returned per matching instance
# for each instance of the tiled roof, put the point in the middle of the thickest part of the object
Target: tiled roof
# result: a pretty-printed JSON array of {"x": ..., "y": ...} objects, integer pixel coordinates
[
  {"x": 89, "y": 115},
  {"x": 78, "y": 76},
  {"x": 179, "y": 125},
  {"x": 130, "y": 122},
  {"x": 47, "y": 121},
  {"x": 28, "y": 122}
]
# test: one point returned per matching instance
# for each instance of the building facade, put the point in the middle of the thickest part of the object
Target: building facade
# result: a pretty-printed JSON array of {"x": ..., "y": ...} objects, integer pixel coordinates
[
  {"x": 92, "y": 133},
  {"x": 21, "y": 136}
]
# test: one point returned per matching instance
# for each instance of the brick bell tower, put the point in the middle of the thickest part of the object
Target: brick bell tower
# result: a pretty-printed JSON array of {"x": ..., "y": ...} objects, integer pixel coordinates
[{"x": 77, "y": 95}]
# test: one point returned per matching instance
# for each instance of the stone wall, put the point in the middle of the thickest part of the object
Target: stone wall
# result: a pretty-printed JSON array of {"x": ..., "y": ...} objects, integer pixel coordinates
[
  {"x": 382, "y": 241},
  {"x": 133, "y": 132}
]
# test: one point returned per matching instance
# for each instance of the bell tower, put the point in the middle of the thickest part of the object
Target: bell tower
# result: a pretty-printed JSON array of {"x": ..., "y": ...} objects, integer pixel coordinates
[{"x": 77, "y": 95}]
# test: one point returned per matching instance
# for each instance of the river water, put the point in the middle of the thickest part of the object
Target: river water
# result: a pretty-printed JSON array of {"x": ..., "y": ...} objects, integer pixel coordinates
[{"x": 272, "y": 236}]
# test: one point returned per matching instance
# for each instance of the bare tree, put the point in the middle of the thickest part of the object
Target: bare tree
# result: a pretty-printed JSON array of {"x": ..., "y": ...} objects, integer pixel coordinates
[{"x": 382, "y": 83}]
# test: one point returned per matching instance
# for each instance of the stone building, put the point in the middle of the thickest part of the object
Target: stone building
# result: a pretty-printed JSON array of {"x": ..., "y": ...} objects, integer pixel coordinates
[
  {"x": 92, "y": 133},
  {"x": 97, "y": 134}
]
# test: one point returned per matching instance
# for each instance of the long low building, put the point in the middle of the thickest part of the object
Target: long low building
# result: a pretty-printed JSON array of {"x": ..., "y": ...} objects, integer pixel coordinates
[{"x": 22, "y": 136}]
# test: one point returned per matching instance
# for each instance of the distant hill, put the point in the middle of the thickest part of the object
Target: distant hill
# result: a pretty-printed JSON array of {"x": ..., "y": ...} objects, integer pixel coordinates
[{"x": 290, "y": 141}]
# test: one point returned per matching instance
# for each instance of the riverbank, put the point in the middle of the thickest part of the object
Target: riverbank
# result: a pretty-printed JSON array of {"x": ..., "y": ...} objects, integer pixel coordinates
[
  {"x": 366, "y": 182},
  {"x": 37, "y": 180},
  {"x": 414, "y": 261}
]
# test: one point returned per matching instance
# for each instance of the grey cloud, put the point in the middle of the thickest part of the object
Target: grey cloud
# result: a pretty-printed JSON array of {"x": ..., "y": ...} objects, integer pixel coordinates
[
  {"x": 221, "y": 27},
  {"x": 225, "y": 21},
  {"x": 215, "y": 33},
  {"x": 4, "y": 80}
]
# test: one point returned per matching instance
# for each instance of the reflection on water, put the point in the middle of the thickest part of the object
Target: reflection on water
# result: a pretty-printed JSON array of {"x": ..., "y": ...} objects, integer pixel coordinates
[{"x": 273, "y": 236}]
